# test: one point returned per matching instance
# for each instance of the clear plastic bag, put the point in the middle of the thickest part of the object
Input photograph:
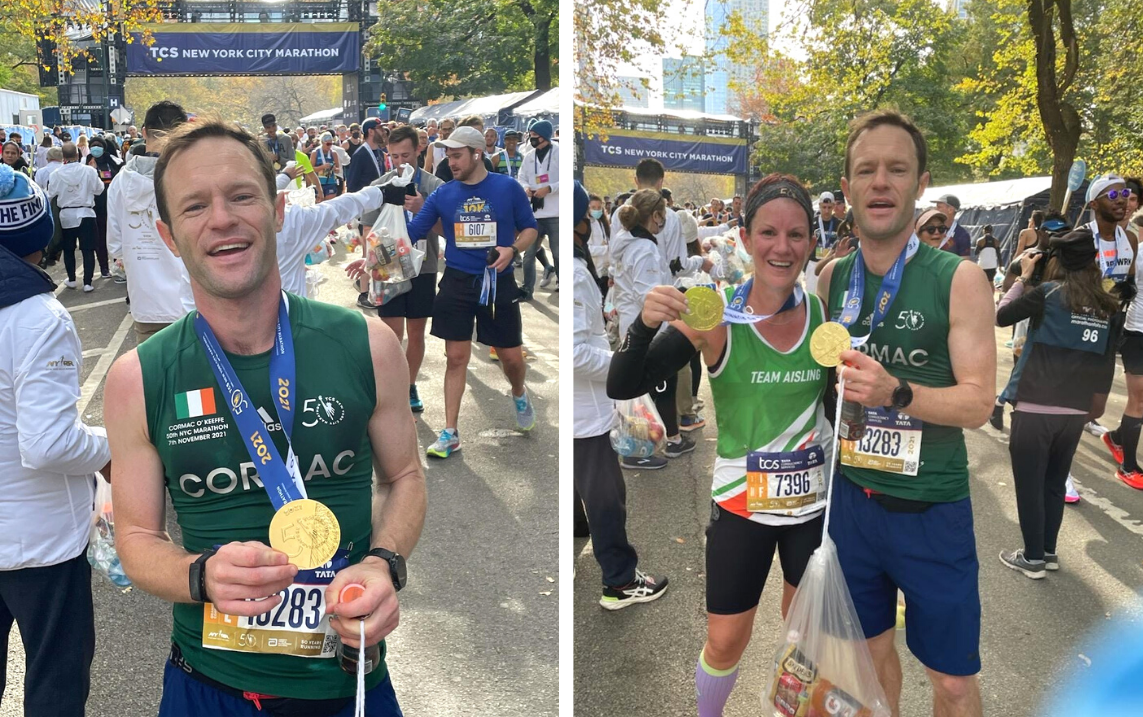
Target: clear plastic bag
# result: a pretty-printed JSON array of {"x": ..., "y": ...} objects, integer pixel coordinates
[
  {"x": 392, "y": 265},
  {"x": 639, "y": 432},
  {"x": 101, "y": 551},
  {"x": 823, "y": 668},
  {"x": 303, "y": 197}
]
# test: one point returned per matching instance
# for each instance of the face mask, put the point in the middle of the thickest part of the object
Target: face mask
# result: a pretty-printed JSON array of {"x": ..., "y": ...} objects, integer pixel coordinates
[
  {"x": 97, "y": 152},
  {"x": 596, "y": 213},
  {"x": 534, "y": 141}
]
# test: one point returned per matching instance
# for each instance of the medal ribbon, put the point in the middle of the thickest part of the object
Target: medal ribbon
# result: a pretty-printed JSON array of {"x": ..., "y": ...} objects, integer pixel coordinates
[
  {"x": 488, "y": 289},
  {"x": 1107, "y": 265},
  {"x": 282, "y": 480},
  {"x": 736, "y": 313},
  {"x": 890, "y": 285}
]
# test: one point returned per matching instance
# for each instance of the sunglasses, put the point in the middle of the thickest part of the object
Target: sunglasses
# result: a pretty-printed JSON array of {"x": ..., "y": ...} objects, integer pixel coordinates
[
  {"x": 1117, "y": 193},
  {"x": 935, "y": 230}
]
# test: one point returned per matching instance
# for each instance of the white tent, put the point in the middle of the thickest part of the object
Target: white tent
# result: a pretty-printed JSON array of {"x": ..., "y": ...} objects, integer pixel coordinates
[
  {"x": 988, "y": 195},
  {"x": 489, "y": 108},
  {"x": 325, "y": 116},
  {"x": 546, "y": 104}
]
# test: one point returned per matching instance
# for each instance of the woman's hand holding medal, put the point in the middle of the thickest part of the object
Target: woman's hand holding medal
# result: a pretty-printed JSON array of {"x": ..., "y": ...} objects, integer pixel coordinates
[
  {"x": 663, "y": 303},
  {"x": 240, "y": 575}
]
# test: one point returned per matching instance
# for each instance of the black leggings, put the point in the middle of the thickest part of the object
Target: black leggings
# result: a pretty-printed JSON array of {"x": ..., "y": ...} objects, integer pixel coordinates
[
  {"x": 696, "y": 374},
  {"x": 1042, "y": 447},
  {"x": 85, "y": 235}
]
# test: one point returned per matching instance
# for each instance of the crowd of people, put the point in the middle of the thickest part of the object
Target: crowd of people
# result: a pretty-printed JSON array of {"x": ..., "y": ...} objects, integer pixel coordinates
[
  {"x": 920, "y": 369},
  {"x": 210, "y": 226}
]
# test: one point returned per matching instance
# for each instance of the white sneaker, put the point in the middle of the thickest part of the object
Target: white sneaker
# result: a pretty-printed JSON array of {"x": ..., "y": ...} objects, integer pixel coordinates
[
  {"x": 1095, "y": 429},
  {"x": 88, "y": 288},
  {"x": 547, "y": 280},
  {"x": 1070, "y": 493},
  {"x": 69, "y": 284}
]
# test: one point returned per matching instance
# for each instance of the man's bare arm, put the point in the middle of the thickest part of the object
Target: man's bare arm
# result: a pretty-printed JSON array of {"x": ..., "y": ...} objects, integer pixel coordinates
[
  {"x": 972, "y": 350},
  {"x": 399, "y": 496}
]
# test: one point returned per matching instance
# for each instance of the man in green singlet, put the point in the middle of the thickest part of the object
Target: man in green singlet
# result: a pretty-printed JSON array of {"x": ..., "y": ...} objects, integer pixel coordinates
[
  {"x": 901, "y": 512},
  {"x": 249, "y": 627}
]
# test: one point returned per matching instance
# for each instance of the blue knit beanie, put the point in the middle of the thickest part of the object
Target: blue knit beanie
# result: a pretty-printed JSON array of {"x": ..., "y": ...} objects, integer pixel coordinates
[
  {"x": 543, "y": 128},
  {"x": 25, "y": 214}
]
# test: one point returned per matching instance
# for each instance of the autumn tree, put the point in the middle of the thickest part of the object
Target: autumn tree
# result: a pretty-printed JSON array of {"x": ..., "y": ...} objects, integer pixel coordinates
[
  {"x": 60, "y": 22},
  {"x": 469, "y": 47}
]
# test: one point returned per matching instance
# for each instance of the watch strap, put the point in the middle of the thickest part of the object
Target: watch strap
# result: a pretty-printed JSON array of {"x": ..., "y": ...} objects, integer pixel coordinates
[
  {"x": 197, "y": 576},
  {"x": 390, "y": 558}
]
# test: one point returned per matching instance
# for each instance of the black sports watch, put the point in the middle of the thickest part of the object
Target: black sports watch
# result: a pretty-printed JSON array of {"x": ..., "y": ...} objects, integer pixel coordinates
[
  {"x": 198, "y": 576},
  {"x": 396, "y": 566},
  {"x": 902, "y": 396}
]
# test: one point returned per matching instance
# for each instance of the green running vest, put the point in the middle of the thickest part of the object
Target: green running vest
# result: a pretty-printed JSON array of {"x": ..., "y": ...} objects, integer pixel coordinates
[
  {"x": 912, "y": 343},
  {"x": 768, "y": 401},
  {"x": 215, "y": 488}
]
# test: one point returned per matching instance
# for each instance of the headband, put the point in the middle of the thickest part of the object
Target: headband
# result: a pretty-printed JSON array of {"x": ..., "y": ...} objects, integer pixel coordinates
[{"x": 782, "y": 189}]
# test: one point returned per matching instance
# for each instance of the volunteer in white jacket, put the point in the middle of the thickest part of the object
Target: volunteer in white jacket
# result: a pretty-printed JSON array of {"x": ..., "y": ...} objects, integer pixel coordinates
[
  {"x": 540, "y": 175},
  {"x": 649, "y": 174},
  {"x": 157, "y": 280},
  {"x": 74, "y": 187},
  {"x": 47, "y": 461},
  {"x": 598, "y": 481},
  {"x": 53, "y": 160},
  {"x": 307, "y": 226},
  {"x": 637, "y": 267},
  {"x": 598, "y": 244}
]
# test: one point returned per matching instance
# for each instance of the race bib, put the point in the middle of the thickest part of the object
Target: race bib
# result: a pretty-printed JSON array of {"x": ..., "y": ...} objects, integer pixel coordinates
[
  {"x": 475, "y": 224},
  {"x": 298, "y": 626},
  {"x": 784, "y": 482},
  {"x": 892, "y": 443}
]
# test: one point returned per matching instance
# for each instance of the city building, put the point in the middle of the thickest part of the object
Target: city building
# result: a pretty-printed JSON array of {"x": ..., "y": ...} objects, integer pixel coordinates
[
  {"x": 720, "y": 72},
  {"x": 683, "y": 84}
]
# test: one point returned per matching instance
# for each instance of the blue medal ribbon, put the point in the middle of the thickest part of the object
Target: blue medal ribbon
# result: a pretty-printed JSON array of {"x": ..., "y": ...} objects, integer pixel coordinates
[
  {"x": 488, "y": 289},
  {"x": 281, "y": 479},
  {"x": 890, "y": 285},
  {"x": 737, "y": 312}
]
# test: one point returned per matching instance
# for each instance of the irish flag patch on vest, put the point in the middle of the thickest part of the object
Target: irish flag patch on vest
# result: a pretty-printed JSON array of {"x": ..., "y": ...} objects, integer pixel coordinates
[{"x": 193, "y": 404}]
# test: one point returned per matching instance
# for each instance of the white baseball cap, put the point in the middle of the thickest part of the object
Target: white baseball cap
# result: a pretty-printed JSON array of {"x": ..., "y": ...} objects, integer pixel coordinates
[
  {"x": 1100, "y": 184},
  {"x": 463, "y": 137},
  {"x": 826, "y": 197}
]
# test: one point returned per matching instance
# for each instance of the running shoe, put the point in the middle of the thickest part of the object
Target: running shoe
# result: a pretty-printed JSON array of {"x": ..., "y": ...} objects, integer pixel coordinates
[
  {"x": 415, "y": 402},
  {"x": 1070, "y": 494},
  {"x": 448, "y": 443},
  {"x": 363, "y": 301},
  {"x": 997, "y": 420},
  {"x": 70, "y": 283},
  {"x": 1031, "y": 568},
  {"x": 547, "y": 280},
  {"x": 1115, "y": 448},
  {"x": 88, "y": 288},
  {"x": 1051, "y": 561},
  {"x": 1095, "y": 429},
  {"x": 653, "y": 463},
  {"x": 1133, "y": 478},
  {"x": 690, "y": 423},
  {"x": 118, "y": 279},
  {"x": 644, "y": 588},
  {"x": 679, "y": 447},
  {"x": 525, "y": 416},
  {"x": 1008, "y": 344},
  {"x": 104, "y": 275}
]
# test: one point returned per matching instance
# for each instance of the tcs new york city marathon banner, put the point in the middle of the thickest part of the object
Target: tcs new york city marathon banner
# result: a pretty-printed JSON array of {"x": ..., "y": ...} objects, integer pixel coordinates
[
  {"x": 677, "y": 152},
  {"x": 247, "y": 49}
]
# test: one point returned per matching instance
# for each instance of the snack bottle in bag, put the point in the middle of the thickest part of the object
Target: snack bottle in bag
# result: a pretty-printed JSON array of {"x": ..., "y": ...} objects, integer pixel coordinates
[
  {"x": 829, "y": 700},
  {"x": 790, "y": 696},
  {"x": 639, "y": 431}
]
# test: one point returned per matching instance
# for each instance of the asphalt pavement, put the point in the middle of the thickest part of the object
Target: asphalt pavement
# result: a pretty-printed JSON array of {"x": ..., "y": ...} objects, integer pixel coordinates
[
  {"x": 478, "y": 632},
  {"x": 641, "y": 660}
]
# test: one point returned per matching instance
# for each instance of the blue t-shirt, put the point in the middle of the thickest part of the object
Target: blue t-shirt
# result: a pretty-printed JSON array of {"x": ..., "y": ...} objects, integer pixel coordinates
[{"x": 496, "y": 199}]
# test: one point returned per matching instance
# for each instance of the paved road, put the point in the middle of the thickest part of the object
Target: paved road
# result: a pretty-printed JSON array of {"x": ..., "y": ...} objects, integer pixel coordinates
[
  {"x": 479, "y": 617},
  {"x": 642, "y": 659}
]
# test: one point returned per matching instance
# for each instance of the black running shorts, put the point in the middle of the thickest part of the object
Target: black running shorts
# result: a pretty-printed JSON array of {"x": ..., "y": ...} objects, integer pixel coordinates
[
  {"x": 458, "y": 304},
  {"x": 739, "y": 553},
  {"x": 416, "y": 303}
]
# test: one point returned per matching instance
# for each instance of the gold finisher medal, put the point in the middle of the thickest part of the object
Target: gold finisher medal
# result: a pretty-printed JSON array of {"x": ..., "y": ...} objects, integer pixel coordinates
[
  {"x": 307, "y": 532},
  {"x": 827, "y": 343},
  {"x": 705, "y": 308},
  {"x": 1108, "y": 284}
]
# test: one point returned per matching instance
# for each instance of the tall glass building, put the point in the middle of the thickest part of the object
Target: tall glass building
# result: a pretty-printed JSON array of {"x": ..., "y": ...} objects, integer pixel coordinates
[{"x": 721, "y": 71}]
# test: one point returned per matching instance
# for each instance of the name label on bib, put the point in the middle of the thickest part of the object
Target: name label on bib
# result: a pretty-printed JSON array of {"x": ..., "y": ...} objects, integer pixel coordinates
[
  {"x": 784, "y": 482},
  {"x": 891, "y": 444}
]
